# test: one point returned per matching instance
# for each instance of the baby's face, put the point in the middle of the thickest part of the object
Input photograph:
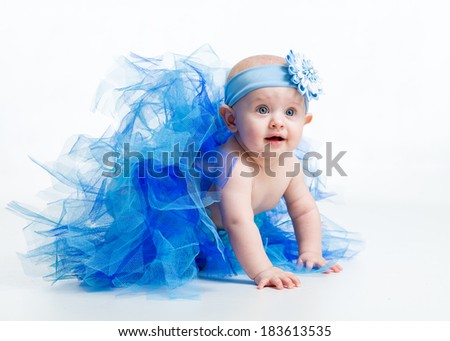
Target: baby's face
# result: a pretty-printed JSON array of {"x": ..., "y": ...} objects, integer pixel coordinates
[{"x": 273, "y": 117}]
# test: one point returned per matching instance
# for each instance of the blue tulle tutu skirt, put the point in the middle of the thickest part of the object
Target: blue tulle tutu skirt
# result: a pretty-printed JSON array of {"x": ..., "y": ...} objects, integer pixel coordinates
[{"x": 137, "y": 215}]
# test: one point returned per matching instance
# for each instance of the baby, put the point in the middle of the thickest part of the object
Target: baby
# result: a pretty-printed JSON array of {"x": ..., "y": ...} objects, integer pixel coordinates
[
  {"x": 153, "y": 229},
  {"x": 266, "y": 113}
]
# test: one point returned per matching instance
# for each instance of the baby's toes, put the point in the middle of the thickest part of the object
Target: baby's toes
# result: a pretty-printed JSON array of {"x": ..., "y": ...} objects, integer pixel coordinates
[{"x": 336, "y": 268}]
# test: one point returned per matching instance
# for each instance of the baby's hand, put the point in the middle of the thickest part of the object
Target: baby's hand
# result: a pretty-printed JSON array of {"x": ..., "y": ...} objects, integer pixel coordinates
[
  {"x": 311, "y": 259},
  {"x": 275, "y": 277}
]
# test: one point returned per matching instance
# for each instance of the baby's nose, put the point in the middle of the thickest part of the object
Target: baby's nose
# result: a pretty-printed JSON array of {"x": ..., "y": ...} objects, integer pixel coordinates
[{"x": 276, "y": 122}]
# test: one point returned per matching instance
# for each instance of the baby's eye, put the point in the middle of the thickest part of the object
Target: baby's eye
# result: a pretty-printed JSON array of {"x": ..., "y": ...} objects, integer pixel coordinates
[
  {"x": 290, "y": 112},
  {"x": 263, "y": 110}
]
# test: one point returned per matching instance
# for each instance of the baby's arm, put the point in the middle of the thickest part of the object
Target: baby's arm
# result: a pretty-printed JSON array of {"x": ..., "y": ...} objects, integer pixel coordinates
[
  {"x": 237, "y": 218},
  {"x": 307, "y": 225}
]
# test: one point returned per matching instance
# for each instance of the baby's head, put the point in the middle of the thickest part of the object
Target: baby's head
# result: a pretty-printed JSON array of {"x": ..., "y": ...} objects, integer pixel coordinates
[
  {"x": 262, "y": 71},
  {"x": 270, "y": 94},
  {"x": 254, "y": 61}
]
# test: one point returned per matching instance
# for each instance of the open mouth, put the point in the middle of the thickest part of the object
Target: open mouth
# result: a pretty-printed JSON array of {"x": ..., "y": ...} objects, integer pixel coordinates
[{"x": 274, "y": 138}]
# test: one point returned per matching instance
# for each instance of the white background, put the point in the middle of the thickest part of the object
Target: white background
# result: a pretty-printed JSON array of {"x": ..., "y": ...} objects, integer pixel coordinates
[{"x": 386, "y": 73}]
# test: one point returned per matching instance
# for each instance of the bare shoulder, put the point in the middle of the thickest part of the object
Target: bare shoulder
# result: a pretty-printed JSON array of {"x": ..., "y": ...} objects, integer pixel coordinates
[
  {"x": 240, "y": 173},
  {"x": 236, "y": 196}
]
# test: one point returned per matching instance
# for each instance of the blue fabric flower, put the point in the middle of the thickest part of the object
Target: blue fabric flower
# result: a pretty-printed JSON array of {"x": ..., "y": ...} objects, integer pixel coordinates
[{"x": 304, "y": 75}]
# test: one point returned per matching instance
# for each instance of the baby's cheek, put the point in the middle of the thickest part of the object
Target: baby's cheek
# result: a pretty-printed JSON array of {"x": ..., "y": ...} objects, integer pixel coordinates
[
  {"x": 298, "y": 134},
  {"x": 251, "y": 136}
]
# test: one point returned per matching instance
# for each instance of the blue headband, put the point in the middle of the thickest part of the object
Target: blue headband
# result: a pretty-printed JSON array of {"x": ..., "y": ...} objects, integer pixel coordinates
[
  {"x": 256, "y": 78},
  {"x": 299, "y": 73}
]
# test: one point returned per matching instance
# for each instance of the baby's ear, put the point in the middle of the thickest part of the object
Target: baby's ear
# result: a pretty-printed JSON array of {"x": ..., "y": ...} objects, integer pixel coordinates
[
  {"x": 229, "y": 117},
  {"x": 308, "y": 118}
]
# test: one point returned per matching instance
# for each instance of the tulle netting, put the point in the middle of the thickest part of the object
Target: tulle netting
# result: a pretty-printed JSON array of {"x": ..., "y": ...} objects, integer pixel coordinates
[{"x": 136, "y": 215}]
